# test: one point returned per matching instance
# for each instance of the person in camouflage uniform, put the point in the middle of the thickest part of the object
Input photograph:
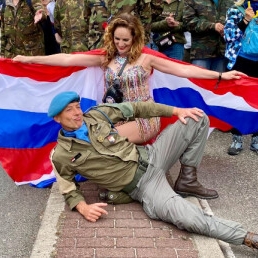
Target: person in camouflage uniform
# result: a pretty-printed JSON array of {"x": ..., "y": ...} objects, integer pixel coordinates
[
  {"x": 19, "y": 34},
  {"x": 101, "y": 12},
  {"x": 205, "y": 20},
  {"x": 171, "y": 20},
  {"x": 71, "y": 23},
  {"x": 98, "y": 14}
]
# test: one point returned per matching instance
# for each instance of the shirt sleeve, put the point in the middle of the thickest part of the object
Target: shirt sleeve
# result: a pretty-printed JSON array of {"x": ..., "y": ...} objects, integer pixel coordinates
[{"x": 66, "y": 183}]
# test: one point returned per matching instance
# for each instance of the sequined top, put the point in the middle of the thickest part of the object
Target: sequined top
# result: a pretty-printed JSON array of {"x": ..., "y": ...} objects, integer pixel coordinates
[{"x": 134, "y": 85}]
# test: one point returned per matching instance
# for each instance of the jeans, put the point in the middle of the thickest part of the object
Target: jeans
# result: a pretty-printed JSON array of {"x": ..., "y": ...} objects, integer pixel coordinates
[
  {"x": 218, "y": 64},
  {"x": 176, "y": 51}
]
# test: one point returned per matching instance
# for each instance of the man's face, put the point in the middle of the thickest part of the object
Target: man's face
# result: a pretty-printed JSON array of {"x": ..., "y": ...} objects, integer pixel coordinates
[{"x": 71, "y": 117}]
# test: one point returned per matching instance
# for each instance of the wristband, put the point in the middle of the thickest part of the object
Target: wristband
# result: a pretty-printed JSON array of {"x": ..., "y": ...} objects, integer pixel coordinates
[
  {"x": 219, "y": 79},
  {"x": 220, "y": 76}
]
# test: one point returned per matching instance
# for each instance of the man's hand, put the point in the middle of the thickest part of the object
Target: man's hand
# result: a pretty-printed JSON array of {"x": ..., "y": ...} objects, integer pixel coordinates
[
  {"x": 219, "y": 27},
  {"x": 249, "y": 13},
  {"x": 91, "y": 212},
  {"x": 171, "y": 21},
  {"x": 182, "y": 113}
]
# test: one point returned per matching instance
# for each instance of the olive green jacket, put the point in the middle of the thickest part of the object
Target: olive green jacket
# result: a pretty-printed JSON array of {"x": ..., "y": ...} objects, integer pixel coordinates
[
  {"x": 101, "y": 11},
  {"x": 160, "y": 26},
  {"x": 110, "y": 160},
  {"x": 71, "y": 22},
  {"x": 19, "y": 35},
  {"x": 200, "y": 17}
]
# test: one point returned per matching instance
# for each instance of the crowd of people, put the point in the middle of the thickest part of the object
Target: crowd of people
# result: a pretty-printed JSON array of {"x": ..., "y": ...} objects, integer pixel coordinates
[{"x": 122, "y": 32}]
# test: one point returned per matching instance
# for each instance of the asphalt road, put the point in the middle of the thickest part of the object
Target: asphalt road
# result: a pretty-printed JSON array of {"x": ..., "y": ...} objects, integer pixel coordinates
[
  {"x": 21, "y": 210},
  {"x": 236, "y": 180},
  {"x": 234, "y": 177}
]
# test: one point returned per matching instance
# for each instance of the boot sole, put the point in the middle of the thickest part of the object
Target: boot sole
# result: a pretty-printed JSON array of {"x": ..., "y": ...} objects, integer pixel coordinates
[
  {"x": 253, "y": 149},
  {"x": 183, "y": 194},
  {"x": 233, "y": 153}
]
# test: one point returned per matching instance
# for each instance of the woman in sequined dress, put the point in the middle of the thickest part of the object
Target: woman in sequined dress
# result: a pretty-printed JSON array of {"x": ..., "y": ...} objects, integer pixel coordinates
[{"x": 124, "y": 39}]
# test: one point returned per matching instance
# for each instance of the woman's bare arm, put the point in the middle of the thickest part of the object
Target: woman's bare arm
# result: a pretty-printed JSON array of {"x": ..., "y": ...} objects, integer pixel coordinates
[
  {"x": 62, "y": 59},
  {"x": 188, "y": 71}
]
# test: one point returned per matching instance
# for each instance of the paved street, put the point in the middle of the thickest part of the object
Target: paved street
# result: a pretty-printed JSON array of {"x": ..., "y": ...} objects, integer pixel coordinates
[
  {"x": 235, "y": 178},
  {"x": 21, "y": 209}
]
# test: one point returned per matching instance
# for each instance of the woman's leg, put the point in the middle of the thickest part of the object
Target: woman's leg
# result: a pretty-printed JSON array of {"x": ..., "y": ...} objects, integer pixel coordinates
[{"x": 141, "y": 130}]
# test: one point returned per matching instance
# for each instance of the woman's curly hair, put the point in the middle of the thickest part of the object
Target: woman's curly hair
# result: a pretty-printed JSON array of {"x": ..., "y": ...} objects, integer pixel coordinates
[{"x": 132, "y": 23}]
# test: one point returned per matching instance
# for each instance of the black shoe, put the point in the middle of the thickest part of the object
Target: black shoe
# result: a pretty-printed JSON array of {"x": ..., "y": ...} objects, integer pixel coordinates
[{"x": 236, "y": 146}]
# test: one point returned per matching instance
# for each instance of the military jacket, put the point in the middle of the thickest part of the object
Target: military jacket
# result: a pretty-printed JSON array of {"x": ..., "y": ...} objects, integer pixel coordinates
[
  {"x": 102, "y": 11},
  {"x": 199, "y": 18},
  {"x": 159, "y": 25},
  {"x": 109, "y": 160},
  {"x": 71, "y": 22},
  {"x": 19, "y": 34},
  {"x": 98, "y": 14}
]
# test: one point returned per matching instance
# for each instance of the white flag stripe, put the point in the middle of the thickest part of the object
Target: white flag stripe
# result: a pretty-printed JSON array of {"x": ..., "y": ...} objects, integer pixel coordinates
[
  {"x": 227, "y": 100},
  {"x": 34, "y": 96}
]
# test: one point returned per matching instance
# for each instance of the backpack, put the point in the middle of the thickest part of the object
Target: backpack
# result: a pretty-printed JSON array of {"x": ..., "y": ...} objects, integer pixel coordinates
[{"x": 250, "y": 38}]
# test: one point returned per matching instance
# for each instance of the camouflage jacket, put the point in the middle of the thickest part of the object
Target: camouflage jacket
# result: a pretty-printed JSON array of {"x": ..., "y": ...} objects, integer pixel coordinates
[
  {"x": 199, "y": 18},
  {"x": 71, "y": 22},
  {"x": 159, "y": 25},
  {"x": 19, "y": 34},
  {"x": 100, "y": 12}
]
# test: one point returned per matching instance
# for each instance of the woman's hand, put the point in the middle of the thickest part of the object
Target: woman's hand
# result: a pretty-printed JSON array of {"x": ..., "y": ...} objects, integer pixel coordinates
[
  {"x": 232, "y": 75},
  {"x": 22, "y": 59}
]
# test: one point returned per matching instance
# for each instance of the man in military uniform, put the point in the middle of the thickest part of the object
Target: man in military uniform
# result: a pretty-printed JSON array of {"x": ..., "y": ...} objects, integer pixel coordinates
[
  {"x": 19, "y": 34},
  {"x": 170, "y": 24},
  {"x": 98, "y": 18},
  {"x": 71, "y": 23},
  {"x": 100, "y": 12},
  {"x": 205, "y": 20},
  {"x": 89, "y": 145}
]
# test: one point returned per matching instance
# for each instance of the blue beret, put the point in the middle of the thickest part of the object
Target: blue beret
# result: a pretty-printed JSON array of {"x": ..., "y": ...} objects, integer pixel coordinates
[{"x": 60, "y": 101}]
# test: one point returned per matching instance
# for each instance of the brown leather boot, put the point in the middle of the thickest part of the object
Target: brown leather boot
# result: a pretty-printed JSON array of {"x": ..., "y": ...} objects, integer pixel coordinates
[
  {"x": 188, "y": 185},
  {"x": 251, "y": 240}
]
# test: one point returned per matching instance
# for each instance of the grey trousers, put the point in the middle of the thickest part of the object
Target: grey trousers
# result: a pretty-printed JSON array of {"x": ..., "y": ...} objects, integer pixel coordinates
[{"x": 185, "y": 143}]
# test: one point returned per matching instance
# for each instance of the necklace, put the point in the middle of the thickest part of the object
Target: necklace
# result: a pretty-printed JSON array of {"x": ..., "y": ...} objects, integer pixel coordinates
[{"x": 120, "y": 59}]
